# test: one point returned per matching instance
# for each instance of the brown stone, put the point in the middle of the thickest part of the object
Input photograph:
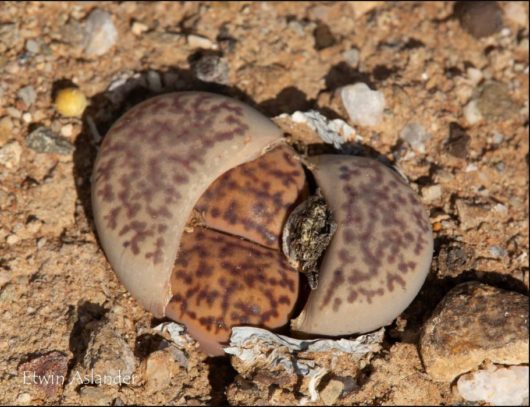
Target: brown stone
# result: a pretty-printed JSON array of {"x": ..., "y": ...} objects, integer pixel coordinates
[
  {"x": 108, "y": 359},
  {"x": 473, "y": 323},
  {"x": 158, "y": 370},
  {"x": 494, "y": 101},
  {"x": 331, "y": 392},
  {"x": 47, "y": 372},
  {"x": 479, "y": 18},
  {"x": 471, "y": 216}
]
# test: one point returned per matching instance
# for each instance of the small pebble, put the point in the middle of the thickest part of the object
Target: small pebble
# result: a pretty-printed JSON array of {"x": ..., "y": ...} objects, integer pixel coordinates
[
  {"x": 352, "y": 57},
  {"x": 67, "y": 130},
  {"x": 73, "y": 33},
  {"x": 14, "y": 112},
  {"x": 471, "y": 215},
  {"x": 457, "y": 142},
  {"x": 506, "y": 32},
  {"x": 70, "y": 102},
  {"x": 118, "y": 402},
  {"x": 32, "y": 46},
  {"x": 52, "y": 364},
  {"x": 44, "y": 140},
  {"x": 479, "y": 18},
  {"x": 471, "y": 167},
  {"x": 297, "y": 27},
  {"x": 331, "y": 393},
  {"x": 39, "y": 115},
  {"x": 364, "y": 106},
  {"x": 18, "y": 227},
  {"x": 158, "y": 370},
  {"x": 500, "y": 166},
  {"x": 109, "y": 354},
  {"x": 415, "y": 135},
  {"x": 138, "y": 28},
  {"x": 10, "y": 155},
  {"x": 24, "y": 398},
  {"x": 27, "y": 94},
  {"x": 95, "y": 394},
  {"x": 198, "y": 41},
  {"x": 26, "y": 118},
  {"x": 475, "y": 75},
  {"x": 436, "y": 227},
  {"x": 472, "y": 113},
  {"x": 211, "y": 68},
  {"x": 100, "y": 33},
  {"x": 472, "y": 323},
  {"x": 497, "y": 138},
  {"x": 497, "y": 385},
  {"x": 6, "y": 129},
  {"x": 497, "y": 251},
  {"x": 41, "y": 242},
  {"x": 12, "y": 239},
  {"x": 154, "y": 82},
  {"x": 323, "y": 37},
  {"x": 12, "y": 67},
  {"x": 317, "y": 13},
  {"x": 494, "y": 101},
  {"x": 431, "y": 193},
  {"x": 518, "y": 67}
]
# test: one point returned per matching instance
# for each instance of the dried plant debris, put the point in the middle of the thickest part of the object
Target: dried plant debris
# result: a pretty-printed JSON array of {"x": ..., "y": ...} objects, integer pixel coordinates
[
  {"x": 306, "y": 235},
  {"x": 335, "y": 132},
  {"x": 281, "y": 360}
]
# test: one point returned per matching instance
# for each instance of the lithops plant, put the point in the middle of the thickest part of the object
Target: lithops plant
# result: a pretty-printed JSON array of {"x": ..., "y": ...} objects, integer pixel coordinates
[
  {"x": 194, "y": 194},
  {"x": 380, "y": 254},
  {"x": 153, "y": 166}
]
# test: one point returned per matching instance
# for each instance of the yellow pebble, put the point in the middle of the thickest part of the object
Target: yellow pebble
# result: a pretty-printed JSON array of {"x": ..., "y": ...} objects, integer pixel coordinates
[{"x": 70, "y": 102}]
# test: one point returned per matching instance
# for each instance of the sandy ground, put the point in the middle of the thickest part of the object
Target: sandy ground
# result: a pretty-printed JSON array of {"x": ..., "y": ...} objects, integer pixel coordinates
[{"x": 59, "y": 294}]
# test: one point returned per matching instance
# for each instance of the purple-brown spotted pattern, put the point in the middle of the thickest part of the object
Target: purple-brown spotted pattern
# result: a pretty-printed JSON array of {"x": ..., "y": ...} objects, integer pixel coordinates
[
  {"x": 380, "y": 254},
  {"x": 220, "y": 281},
  {"x": 153, "y": 166},
  {"x": 254, "y": 199}
]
